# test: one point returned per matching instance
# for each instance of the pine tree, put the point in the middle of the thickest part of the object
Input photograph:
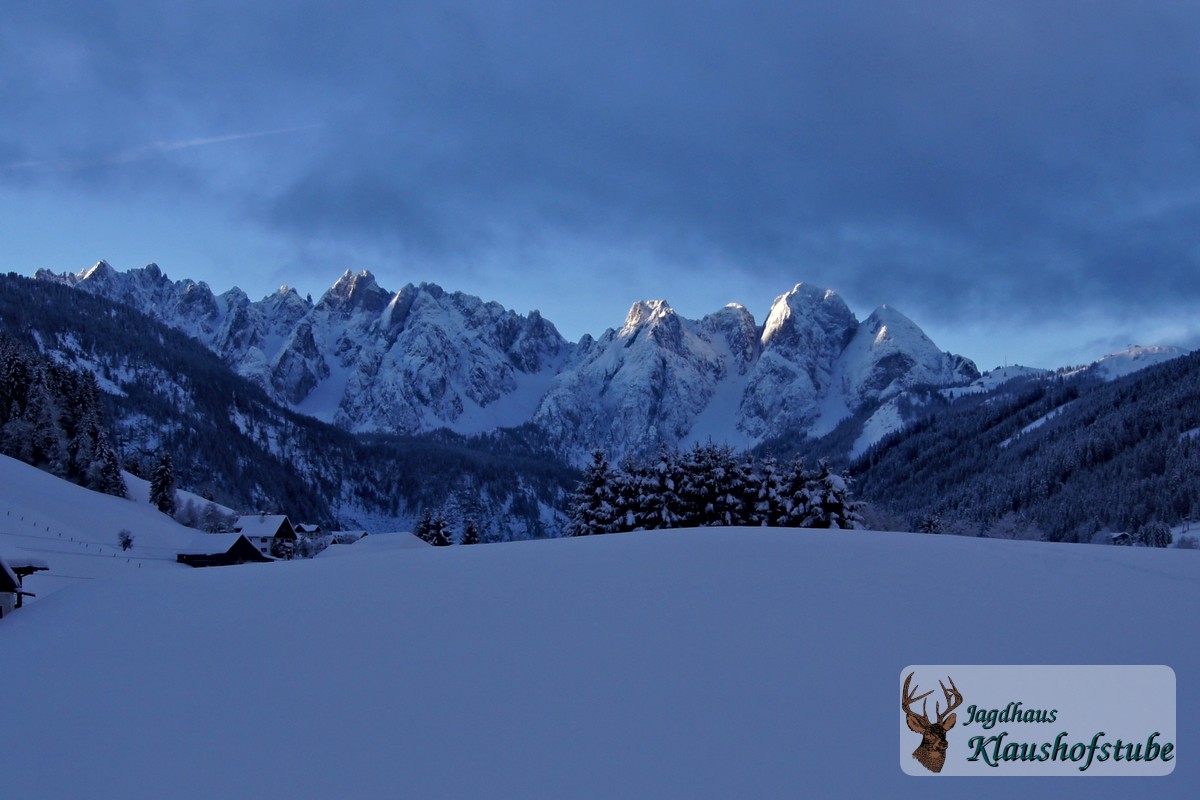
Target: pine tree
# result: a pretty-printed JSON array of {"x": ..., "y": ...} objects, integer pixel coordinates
[
  {"x": 592, "y": 511},
  {"x": 660, "y": 501},
  {"x": 628, "y": 495},
  {"x": 766, "y": 495},
  {"x": 929, "y": 523},
  {"x": 439, "y": 531},
  {"x": 470, "y": 533},
  {"x": 831, "y": 506},
  {"x": 423, "y": 529},
  {"x": 107, "y": 470},
  {"x": 49, "y": 447},
  {"x": 795, "y": 495},
  {"x": 162, "y": 485},
  {"x": 714, "y": 486}
]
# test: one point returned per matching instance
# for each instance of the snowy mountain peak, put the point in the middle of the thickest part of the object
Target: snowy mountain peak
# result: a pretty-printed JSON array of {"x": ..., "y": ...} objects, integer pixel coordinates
[
  {"x": 889, "y": 354},
  {"x": 355, "y": 291},
  {"x": 890, "y": 328},
  {"x": 806, "y": 315},
  {"x": 99, "y": 271},
  {"x": 645, "y": 312},
  {"x": 734, "y": 325}
]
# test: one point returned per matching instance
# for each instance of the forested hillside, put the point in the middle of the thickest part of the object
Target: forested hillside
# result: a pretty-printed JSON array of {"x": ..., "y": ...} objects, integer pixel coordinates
[
  {"x": 1062, "y": 458},
  {"x": 50, "y": 417}
]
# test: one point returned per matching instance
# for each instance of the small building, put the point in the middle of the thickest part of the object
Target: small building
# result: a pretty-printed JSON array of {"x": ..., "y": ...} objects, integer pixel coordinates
[
  {"x": 12, "y": 579},
  {"x": 10, "y": 589},
  {"x": 1120, "y": 538},
  {"x": 272, "y": 534},
  {"x": 307, "y": 529},
  {"x": 220, "y": 550}
]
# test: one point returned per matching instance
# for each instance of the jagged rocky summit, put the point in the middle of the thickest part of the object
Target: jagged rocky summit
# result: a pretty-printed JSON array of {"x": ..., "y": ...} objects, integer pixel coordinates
[{"x": 422, "y": 358}]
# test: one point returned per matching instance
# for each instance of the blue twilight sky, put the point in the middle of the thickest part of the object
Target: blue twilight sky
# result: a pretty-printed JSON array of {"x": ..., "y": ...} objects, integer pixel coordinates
[{"x": 1020, "y": 178}]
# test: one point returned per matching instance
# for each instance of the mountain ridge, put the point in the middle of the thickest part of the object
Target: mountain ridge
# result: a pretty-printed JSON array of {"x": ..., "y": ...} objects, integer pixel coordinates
[{"x": 371, "y": 360}]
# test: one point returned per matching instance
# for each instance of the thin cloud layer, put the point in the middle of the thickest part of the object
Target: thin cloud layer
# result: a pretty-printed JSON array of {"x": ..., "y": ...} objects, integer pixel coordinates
[{"x": 968, "y": 162}]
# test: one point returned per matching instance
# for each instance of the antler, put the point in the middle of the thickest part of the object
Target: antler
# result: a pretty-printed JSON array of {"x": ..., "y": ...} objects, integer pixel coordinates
[
  {"x": 908, "y": 699},
  {"x": 954, "y": 699}
]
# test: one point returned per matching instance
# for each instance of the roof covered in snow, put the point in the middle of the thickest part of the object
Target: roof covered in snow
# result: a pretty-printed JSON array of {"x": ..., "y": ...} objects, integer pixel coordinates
[
  {"x": 264, "y": 525},
  {"x": 209, "y": 543}
]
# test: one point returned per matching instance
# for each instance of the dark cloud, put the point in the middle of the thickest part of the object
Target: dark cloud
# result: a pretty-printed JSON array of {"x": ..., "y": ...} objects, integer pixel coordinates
[{"x": 951, "y": 158}]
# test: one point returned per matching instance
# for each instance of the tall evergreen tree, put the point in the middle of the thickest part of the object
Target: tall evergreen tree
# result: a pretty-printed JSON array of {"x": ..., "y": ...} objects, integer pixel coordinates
[
  {"x": 661, "y": 503},
  {"x": 592, "y": 510},
  {"x": 439, "y": 531},
  {"x": 795, "y": 495},
  {"x": 830, "y": 504},
  {"x": 629, "y": 495},
  {"x": 423, "y": 529},
  {"x": 104, "y": 473},
  {"x": 766, "y": 494},
  {"x": 162, "y": 484}
]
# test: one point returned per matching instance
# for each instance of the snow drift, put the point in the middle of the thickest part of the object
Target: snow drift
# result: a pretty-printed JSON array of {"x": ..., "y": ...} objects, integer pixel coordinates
[{"x": 698, "y": 663}]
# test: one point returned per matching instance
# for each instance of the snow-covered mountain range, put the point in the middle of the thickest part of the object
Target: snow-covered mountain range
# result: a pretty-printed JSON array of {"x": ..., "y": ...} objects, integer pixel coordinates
[{"x": 422, "y": 358}]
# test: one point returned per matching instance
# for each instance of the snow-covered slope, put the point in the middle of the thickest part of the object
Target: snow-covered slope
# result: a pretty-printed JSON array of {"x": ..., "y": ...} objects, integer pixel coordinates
[
  {"x": 1133, "y": 358},
  {"x": 711, "y": 663},
  {"x": 993, "y": 379},
  {"x": 75, "y": 530}
]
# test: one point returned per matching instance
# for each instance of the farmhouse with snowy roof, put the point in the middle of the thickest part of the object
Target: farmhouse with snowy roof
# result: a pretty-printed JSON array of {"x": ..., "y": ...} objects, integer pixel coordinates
[
  {"x": 272, "y": 534},
  {"x": 219, "y": 550}
]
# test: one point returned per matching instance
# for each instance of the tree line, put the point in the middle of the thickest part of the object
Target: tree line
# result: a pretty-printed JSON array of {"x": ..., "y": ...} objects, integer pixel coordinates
[{"x": 709, "y": 485}]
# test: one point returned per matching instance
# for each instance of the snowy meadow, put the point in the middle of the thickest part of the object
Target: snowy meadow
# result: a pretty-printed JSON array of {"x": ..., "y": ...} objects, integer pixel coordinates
[{"x": 690, "y": 663}]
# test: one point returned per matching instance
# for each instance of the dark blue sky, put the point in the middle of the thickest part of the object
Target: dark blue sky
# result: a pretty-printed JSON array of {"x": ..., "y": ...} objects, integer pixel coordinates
[{"x": 1020, "y": 178}]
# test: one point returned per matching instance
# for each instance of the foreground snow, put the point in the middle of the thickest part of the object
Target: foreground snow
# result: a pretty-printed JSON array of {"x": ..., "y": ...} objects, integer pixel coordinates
[{"x": 710, "y": 663}]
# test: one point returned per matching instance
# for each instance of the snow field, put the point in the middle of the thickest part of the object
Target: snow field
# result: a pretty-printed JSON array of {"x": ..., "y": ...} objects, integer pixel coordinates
[{"x": 723, "y": 663}]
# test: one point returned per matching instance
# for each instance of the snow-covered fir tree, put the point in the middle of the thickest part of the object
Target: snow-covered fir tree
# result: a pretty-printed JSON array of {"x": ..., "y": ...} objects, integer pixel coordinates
[
  {"x": 795, "y": 495},
  {"x": 162, "y": 485},
  {"x": 423, "y": 526},
  {"x": 766, "y": 494},
  {"x": 662, "y": 505},
  {"x": 830, "y": 505},
  {"x": 592, "y": 504},
  {"x": 439, "y": 531},
  {"x": 629, "y": 497}
]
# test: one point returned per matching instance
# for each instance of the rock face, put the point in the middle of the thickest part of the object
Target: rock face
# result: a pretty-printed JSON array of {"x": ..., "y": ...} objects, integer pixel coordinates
[
  {"x": 422, "y": 358},
  {"x": 663, "y": 379}
]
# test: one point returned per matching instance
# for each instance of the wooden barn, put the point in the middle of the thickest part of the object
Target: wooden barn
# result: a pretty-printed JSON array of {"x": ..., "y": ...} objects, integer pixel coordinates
[{"x": 220, "y": 550}]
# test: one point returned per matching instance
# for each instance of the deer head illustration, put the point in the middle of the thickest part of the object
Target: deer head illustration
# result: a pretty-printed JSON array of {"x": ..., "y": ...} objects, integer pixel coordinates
[{"x": 932, "y": 751}]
